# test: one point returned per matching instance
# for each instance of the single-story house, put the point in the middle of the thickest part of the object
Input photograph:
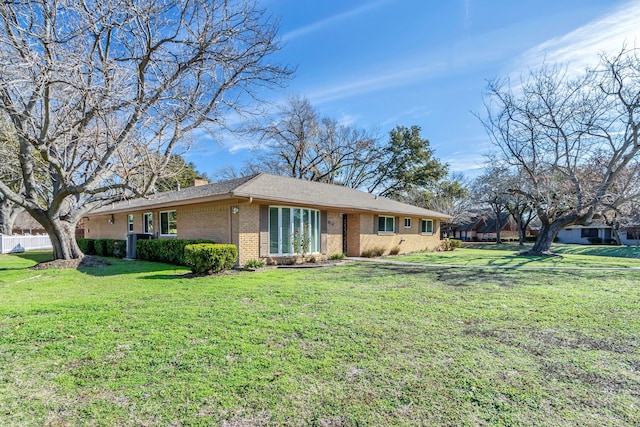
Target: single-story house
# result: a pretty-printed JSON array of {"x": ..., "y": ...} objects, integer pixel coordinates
[
  {"x": 268, "y": 217},
  {"x": 580, "y": 234},
  {"x": 482, "y": 228}
]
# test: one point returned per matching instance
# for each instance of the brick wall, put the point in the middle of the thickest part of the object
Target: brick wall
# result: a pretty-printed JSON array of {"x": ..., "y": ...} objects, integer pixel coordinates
[
  {"x": 247, "y": 229},
  {"x": 404, "y": 239}
]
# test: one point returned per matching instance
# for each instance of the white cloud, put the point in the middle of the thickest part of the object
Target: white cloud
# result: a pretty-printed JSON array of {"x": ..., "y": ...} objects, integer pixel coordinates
[
  {"x": 331, "y": 20},
  {"x": 581, "y": 47}
]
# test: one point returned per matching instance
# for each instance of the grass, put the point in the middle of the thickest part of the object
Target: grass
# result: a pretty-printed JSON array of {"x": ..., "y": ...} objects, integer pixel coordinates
[
  {"x": 506, "y": 255},
  {"x": 137, "y": 343}
]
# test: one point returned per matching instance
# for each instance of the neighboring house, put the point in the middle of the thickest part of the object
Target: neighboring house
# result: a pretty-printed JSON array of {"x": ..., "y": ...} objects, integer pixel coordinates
[
  {"x": 580, "y": 234},
  {"x": 482, "y": 228},
  {"x": 264, "y": 215},
  {"x": 25, "y": 225}
]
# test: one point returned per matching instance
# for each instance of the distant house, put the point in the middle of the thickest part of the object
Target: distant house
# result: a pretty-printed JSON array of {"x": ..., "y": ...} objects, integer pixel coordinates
[
  {"x": 597, "y": 232},
  {"x": 482, "y": 227},
  {"x": 265, "y": 215}
]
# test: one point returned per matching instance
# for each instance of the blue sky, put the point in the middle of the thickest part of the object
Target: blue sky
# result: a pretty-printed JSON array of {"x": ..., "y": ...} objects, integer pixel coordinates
[{"x": 381, "y": 63}]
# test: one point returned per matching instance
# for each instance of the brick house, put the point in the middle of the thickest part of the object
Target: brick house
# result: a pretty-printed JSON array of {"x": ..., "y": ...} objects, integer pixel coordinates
[{"x": 268, "y": 217}]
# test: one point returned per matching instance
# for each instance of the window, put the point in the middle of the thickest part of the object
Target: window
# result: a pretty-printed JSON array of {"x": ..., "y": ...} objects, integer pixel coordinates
[
  {"x": 633, "y": 234},
  {"x": 589, "y": 232},
  {"x": 147, "y": 223},
  {"x": 407, "y": 223},
  {"x": 426, "y": 226},
  {"x": 386, "y": 224},
  {"x": 168, "y": 223},
  {"x": 293, "y": 230},
  {"x": 130, "y": 223}
]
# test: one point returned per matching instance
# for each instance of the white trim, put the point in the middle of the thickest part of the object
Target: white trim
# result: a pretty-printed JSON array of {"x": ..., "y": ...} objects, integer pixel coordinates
[
  {"x": 385, "y": 231},
  {"x": 168, "y": 226},
  {"x": 405, "y": 222},
  {"x": 145, "y": 229},
  {"x": 291, "y": 226},
  {"x": 426, "y": 221}
]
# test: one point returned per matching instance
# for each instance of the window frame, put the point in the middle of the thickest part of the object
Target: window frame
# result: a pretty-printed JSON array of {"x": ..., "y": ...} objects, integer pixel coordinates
[
  {"x": 424, "y": 228},
  {"x": 385, "y": 230},
  {"x": 130, "y": 223},
  {"x": 407, "y": 222},
  {"x": 147, "y": 225},
  {"x": 591, "y": 233},
  {"x": 169, "y": 234},
  {"x": 307, "y": 219}
]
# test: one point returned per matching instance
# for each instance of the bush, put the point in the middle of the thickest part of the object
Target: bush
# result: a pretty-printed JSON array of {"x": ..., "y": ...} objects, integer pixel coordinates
[
  {"x": 210, "y": 258},
  {"x": 595, "y": 240},
  {"x": 106, "y": 247},
  {"x": 448, "y": 245},
  {"x": 530, "y": 238},
  {"x": 103, "y": 247},
  {"x": 170, "y": 251},
  {"x": 373, "y": 252},
  {"x": 255, "y": 263},
  {"x": 394, "y": 251},
  {"x": 87, "y": 246},
  {"x": 337, "y": 256},
  {"x": 100, "y": 246}
]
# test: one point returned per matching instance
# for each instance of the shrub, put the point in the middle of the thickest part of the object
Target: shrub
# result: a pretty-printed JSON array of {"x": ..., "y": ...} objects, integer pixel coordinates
[
  {"x": 373, "y": 252},
  {"x": 100, "y": 246},
  {"x": 530, "y": 238},
  {"x": 337, "y": 256},
  {"x": 448, "y": 245},
  {"x": 170, "y": 251},
  {"x": 595, "y": 240},
  {"x": 394, "y": 251},
  {"x": 255, "y": 263},
  {"x": 210, "y": 258},
  {"x": 107, "y": 247},
  {"x": 86, "y": 246}
]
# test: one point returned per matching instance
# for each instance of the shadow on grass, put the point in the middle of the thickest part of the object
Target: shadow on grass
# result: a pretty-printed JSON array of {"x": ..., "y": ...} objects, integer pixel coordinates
[
  {"x": 36, "y": 256},
  {"x": 122, "y": 267}
]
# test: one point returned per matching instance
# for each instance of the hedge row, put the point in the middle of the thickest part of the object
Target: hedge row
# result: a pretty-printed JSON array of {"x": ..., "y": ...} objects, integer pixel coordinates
[
  {"x": 113, "y": 248},
  {"x": 170, "y": 251},
  {"x": 210, "y": 258}
]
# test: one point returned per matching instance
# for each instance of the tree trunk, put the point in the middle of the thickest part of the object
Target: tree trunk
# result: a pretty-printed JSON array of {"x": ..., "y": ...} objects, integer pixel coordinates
[
  {"x": 521, "y": 232},
  {"x": 547, "y": 234},
  {"x": 62, "y": 234},
  {"x": 616, "y": 236},
  {"x": 8, "y": 214}
]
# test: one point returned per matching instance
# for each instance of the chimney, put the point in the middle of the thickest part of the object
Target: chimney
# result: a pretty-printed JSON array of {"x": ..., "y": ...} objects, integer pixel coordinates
[{"x": 198, "y": 180}]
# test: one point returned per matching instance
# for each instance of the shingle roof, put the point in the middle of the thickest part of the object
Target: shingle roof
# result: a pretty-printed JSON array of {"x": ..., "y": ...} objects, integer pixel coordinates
[
  {"x": 280, "y": 189},
  {"x": 489, "y": 225}
]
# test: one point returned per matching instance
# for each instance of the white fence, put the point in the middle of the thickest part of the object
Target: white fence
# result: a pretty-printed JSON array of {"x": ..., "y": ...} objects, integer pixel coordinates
[{"x": 12, "y": 244}]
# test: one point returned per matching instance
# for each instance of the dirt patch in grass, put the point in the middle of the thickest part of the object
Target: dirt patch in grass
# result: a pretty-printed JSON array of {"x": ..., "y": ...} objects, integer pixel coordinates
[{"x": 86, "y": 261}]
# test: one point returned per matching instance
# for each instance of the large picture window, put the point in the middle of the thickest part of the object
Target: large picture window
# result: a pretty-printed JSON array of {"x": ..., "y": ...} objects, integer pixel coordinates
[
  {"x": 293, "y": 230},
  {"x": 168, "y": 223},
  {"x": 386, "y": 224},
  {"x": 589, "y": 232}
]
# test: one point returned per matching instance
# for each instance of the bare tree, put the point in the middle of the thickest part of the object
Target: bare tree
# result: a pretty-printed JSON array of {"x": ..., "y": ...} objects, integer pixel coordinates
[
  {"x": 302, "y": 144},
  {"x": 10, "y": 175},
  {"x": 552, "y": 127},
  {"x": 96, "y": 91},
  {"x": 449, "y": 196},
  {"x": 490, "y": 189}
]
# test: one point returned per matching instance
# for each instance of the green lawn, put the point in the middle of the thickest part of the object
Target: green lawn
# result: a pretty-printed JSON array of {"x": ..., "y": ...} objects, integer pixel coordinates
[
  {"x": 137, "y": 343},
  {"x": 506, "y": 255}
]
